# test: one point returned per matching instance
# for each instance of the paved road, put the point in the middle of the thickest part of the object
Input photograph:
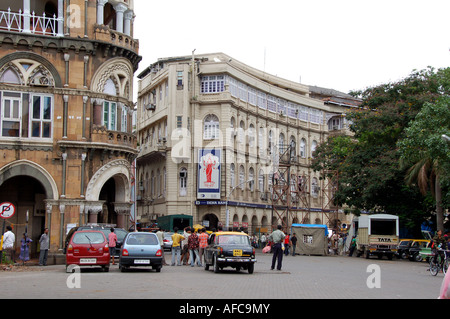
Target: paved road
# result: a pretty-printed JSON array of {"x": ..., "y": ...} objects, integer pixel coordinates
[{"x": 302, "y": 277}]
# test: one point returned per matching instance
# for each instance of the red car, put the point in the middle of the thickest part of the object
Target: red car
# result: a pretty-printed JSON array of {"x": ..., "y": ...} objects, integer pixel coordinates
[{"x": 88, "y": 248}]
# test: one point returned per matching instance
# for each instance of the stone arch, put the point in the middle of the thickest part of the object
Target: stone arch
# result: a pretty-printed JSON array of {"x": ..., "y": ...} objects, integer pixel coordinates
[
  {"x": 119, "y": 170},
  {"x": 31, "y": 169},
  {"x": 120, "y": 71},
  {"x": 45, "y": 67}
]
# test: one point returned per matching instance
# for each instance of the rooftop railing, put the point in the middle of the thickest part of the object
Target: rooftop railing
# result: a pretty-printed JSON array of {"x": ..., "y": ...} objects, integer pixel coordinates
[{"x": 29, "y": 23}]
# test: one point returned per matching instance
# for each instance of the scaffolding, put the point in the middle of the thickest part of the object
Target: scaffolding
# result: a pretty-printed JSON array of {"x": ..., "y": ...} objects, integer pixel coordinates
[{"x": 291, "y": 194}]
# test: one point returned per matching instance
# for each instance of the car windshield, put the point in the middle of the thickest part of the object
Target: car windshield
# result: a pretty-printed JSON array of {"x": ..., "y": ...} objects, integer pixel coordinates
[
  {"x": 88, "y": 238},
  {"x": 232, "y": 240},
  {"x": 142, "y": 239}
]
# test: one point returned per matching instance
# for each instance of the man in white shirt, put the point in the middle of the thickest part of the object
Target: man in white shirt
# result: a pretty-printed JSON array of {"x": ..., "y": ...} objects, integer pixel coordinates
[{"x": 8, "y": 243}]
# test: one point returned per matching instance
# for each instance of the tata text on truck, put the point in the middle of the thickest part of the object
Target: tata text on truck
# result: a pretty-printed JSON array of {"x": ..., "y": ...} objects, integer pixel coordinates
[{"x": 376, "y": 235}]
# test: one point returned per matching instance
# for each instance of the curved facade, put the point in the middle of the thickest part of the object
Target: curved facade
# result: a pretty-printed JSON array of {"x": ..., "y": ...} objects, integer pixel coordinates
[
  {"x": 66, "y": 92},
  {"x": 231, "y": 145}
]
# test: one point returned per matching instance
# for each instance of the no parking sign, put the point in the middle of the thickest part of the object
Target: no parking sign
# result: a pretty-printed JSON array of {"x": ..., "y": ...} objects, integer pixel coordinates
[{"x": 7, "y": 210}]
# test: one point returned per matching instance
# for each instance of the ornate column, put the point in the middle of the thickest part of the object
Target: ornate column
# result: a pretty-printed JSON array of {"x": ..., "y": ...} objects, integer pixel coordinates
[
  {"x": 123, "y": 213},
  {"x": 94, "y": 208},
  {"x": 26, "y": 16},
  {"x": 60, "y": 18},
  {"x": 128, "y": 18},
  {"x": 120, "y": 10},
  {"x": 100, "y": 9}
]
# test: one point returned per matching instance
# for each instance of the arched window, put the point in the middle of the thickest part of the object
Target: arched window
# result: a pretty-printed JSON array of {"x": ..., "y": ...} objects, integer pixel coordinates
[
  {"x": 251, "y": 177},
  {"x": 10, "y": 76},
  {"x": 314, "y": 187},
  {"x": 211, "y": 127},
  {"x": 241, "y": 176},
  {"x": 313, "y": 148},
  {"x": 183, "y": 182},
  {"x": 303, "y": 148},
  {"x": 232, "y": 175},
  {"x": 261, "y": 181}
]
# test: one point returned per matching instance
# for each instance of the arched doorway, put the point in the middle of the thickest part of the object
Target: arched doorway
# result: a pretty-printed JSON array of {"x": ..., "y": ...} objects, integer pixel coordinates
[
  {"x": 28, "y": 195},
  {"x": 212, "y": 220},
  {"x": 110, "y": 185}
]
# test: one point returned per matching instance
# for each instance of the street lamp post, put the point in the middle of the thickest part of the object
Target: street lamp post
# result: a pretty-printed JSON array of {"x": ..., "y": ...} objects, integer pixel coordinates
[
  {"x": 226, "y": 203},
  {"x": 445, "y": 137}
]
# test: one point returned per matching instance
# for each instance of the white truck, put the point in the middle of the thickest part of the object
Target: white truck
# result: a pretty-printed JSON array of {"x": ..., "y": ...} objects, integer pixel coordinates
[{"x": 376, "y": 235}]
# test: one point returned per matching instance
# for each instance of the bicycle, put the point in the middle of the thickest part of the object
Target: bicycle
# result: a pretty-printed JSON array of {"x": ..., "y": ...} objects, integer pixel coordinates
[{"x": 439, "y": 262}]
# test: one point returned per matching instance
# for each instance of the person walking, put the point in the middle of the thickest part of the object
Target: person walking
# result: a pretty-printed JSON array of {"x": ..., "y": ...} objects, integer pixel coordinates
[
  {"x": 193, "y": 244},
  {"x": 112, "y": 242},
  {"x": 293, "y": 243},
  {"x": 9, "y": 240},
  {"x": 160, "y": 235},
  {"x": 352, "y": 246},
  {"x": 203, "y": 243},
  {"x": 277, "y": 238},
  {"x": 25, "y": 243},
  {"x": 176, "y": 246},
  {"x": 44, "y": 244}
]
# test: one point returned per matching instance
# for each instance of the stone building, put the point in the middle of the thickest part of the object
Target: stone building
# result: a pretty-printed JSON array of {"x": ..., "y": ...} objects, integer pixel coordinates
[
  {"x": 231, "y": 145},
  {"x": 66, "y": 93}
]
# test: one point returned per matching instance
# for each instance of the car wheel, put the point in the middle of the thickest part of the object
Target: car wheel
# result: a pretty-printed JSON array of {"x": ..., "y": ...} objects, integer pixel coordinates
[
  {"x": 122, "y": 268},
  {"x": 216, "y": 265},
  {"x": 206, "y": 265},
  {"x": 251, "y": 268},
  {"x": 105, "y": 268},
  {"x": 157, "y": 268},
  {"x": 418, "y": 258}
]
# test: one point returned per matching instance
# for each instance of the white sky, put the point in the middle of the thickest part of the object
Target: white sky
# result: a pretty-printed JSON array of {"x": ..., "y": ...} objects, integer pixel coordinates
[{"x": 339, "y": 44}]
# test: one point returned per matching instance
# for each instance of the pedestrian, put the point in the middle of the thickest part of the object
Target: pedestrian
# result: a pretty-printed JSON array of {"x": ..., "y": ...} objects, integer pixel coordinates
[
  {"x": 9, "y": 239},
  {"x": 25, "y": 243},
  {"x": 341, "y": 245},
  {"x": 184, "y": 246},
  {"x": 294, "y": 243},
  {"x": 286, "y": 245},
  {"x": 263, "y": 240},
  {"x": 203, "y": 243},
  {"x": 176, "y": 246},
  {"x": 112, "y": 242},
  {"x": 160, "y": 235},
  {"x": 352, "y": 246},
  {"x": 44, "y": 244},
  {"x": 277, "y": 238},
  {"x": 193, "y": 244}
]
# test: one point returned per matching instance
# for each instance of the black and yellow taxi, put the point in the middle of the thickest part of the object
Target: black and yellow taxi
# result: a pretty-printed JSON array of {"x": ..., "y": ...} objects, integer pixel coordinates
[{"x": 229, "y": 249}]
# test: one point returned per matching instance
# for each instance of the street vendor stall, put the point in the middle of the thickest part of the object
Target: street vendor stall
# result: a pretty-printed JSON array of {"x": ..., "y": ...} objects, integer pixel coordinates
[{"x": 312, "y": 239}]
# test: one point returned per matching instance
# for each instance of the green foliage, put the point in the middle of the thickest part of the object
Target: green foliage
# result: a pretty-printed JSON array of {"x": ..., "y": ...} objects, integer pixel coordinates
[{"x": 370, "y": 175}]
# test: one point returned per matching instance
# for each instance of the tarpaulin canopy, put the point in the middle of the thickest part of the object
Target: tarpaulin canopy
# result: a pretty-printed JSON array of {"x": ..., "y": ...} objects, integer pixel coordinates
[{"x": 312, "y": 239}]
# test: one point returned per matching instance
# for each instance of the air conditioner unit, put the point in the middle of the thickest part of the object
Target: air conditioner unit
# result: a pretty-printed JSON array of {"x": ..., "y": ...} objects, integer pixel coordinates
[{"x": 150, "y": 107}]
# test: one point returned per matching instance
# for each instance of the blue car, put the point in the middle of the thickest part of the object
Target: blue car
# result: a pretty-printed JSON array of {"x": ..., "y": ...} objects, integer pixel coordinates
[{"x": 141, "y": 250}]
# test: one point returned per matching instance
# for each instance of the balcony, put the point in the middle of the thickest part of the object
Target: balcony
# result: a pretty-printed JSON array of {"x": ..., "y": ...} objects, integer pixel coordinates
[{"x": 31, "y": 23}]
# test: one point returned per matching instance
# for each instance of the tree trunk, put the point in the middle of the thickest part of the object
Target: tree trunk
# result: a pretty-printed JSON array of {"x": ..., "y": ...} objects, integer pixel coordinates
[{"x": 439, "y": 209}]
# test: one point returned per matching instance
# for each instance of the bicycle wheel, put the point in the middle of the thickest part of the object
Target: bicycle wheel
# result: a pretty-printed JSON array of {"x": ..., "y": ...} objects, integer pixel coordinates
[{"x": 434, "y": 267}]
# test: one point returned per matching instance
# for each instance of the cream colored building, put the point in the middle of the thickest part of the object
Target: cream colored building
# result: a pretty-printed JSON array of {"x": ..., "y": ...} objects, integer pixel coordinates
[{"x": 194, "y": 104}]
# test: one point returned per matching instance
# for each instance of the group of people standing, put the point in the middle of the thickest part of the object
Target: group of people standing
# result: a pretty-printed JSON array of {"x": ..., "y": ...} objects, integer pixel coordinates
[
  {"x": 187, "y": 248},
  {"x": 9, "y": 250}
]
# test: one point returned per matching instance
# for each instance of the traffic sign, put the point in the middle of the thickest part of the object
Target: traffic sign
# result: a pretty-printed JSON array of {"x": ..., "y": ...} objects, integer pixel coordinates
[{"x": 7, "y": 210}]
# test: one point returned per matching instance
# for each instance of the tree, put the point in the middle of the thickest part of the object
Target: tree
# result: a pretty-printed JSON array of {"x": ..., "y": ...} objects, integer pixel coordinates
[
  {"x": 370, "y": 176},
  {"x": 425, "y": 152}
]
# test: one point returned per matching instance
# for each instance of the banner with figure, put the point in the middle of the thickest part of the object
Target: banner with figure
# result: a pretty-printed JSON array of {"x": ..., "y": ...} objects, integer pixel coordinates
[{"x": 208, "y": 174}]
